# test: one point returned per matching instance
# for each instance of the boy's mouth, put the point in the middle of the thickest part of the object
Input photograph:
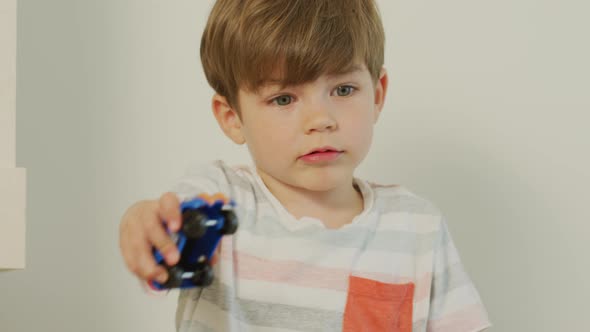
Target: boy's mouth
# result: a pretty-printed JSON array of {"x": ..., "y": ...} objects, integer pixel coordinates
[
  {"x": 323, "y": 154},
  {"x": 323, "y": 149}
]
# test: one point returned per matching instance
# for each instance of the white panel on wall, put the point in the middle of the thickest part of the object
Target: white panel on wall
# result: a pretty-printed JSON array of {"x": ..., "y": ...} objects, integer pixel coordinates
[
  {"x": 12, "y": 218},
  {"x": 12, "y": 180}
]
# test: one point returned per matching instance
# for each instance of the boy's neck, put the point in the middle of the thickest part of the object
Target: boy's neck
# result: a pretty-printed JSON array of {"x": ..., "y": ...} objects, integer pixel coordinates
[{"x": 334, "y": 207}]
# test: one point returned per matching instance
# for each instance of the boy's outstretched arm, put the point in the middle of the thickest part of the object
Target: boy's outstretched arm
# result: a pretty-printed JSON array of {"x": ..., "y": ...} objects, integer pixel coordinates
[{"x": 142, "y": 228}]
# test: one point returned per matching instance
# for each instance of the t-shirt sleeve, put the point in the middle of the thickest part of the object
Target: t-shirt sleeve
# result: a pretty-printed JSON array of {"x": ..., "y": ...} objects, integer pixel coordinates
[
  {"x": 455, "y": 305},
  {"x": 205, "y": 178}
]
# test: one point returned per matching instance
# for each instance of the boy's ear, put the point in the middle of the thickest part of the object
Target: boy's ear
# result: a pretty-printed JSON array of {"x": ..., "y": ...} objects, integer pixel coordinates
[
  {"x": 380, "y": 92},
  {"x": 228, "y": 119}
]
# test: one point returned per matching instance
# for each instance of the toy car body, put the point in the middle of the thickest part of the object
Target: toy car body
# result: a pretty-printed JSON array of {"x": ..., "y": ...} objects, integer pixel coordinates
[{"x": 205, "y": 220}]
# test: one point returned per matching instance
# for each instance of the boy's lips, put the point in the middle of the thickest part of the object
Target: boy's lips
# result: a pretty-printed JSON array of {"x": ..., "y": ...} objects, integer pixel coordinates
[{"x": 322, "y": 154}]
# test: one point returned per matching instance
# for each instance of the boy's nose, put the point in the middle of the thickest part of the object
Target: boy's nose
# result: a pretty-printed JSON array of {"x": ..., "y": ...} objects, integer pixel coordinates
[{"x": 320, "y": 119}]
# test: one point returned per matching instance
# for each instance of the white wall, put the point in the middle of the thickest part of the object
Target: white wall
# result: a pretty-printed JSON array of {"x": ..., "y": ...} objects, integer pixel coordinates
[{"x": 487, "y": 116}]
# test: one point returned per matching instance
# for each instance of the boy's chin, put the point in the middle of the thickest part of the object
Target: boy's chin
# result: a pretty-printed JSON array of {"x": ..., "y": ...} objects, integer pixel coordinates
[
  {"x": 316, "y": 180},
  {"x": 324, "y": 182}
]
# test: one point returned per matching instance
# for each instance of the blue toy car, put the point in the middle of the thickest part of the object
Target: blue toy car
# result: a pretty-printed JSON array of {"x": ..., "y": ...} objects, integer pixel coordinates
[{"x": 205, "y": 219}]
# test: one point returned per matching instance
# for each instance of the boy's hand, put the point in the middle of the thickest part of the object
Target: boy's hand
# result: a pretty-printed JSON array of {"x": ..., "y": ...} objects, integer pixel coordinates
[{"x": 142, "y": 228}]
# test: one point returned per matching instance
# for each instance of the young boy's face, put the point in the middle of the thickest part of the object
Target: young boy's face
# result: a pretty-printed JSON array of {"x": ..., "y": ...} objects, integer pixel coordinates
[{"x": 310, "y": 136}]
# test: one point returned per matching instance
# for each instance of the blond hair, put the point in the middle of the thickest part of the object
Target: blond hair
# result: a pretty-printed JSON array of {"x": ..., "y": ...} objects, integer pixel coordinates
[{"x": 247, "y": 43}]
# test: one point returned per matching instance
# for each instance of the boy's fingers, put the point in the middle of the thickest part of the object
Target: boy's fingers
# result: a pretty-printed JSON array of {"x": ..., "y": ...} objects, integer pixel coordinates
[
  {"x": 159, "y": 238},
  {"x": 140, "y": 261},
  {"x": 147, "y": 268},
  {"x": 170, "y": 211},
  {"x": 141, "y": 228}
]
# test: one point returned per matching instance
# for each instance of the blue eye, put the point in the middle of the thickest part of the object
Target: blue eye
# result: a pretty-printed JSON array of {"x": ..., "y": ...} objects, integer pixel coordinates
[
  {"x": 283, "y": 100},
  {"x": 344, "y": 90}
]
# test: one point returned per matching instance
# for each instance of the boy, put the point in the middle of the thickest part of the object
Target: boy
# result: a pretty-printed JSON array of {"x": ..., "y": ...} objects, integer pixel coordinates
[{"x": 302, "y": 84}]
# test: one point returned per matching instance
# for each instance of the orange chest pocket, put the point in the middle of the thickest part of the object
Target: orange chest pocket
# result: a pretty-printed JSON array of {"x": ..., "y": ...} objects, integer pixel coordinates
[{"x": 376, "y": 306}]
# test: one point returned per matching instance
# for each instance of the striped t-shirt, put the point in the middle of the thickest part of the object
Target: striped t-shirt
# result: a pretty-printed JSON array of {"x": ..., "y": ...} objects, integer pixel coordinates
[{"x": 393, "y": 268}]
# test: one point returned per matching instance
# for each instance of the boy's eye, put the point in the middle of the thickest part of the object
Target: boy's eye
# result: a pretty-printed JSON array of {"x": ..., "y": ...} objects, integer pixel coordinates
[
  {"x": 283, "y": 100},
  {"x": 344, "y": 90}
]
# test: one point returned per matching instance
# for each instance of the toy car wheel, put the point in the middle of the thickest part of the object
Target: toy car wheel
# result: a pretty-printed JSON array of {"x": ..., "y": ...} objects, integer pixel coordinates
[
  {"x": 174, "y": 277},
  {"x": 204, "y": 277},
  {"x": 230, "y": 222},
  {"x": 194, "y": 223}
]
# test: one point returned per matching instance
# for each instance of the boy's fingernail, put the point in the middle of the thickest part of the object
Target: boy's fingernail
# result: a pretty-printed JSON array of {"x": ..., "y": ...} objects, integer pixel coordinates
[
  {"x": 172, "y": 256},
  {"x": 161, "y": 278},
  {"x": 174, "y": 225}
]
